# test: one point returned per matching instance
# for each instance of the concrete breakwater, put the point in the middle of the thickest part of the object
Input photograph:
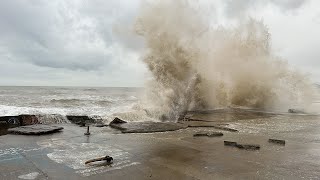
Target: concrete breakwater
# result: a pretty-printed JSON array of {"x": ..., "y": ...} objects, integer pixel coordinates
[{"x": 31, "y": 119}]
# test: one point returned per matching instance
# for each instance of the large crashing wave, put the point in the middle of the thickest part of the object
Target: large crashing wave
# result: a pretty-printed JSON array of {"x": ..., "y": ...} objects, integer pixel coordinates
[{"x": 199, "y": 66}]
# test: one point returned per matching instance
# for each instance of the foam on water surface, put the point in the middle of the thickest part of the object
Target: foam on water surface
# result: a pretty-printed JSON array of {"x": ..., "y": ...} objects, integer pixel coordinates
[{"x": 74, "y": 155}]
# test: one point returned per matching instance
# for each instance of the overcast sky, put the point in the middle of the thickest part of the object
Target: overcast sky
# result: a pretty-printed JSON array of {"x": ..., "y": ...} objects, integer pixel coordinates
[{"x": 86, "y": 42}]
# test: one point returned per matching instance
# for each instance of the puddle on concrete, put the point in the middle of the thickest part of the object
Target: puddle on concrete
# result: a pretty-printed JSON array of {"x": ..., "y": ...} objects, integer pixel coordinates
[{"x": 74, "y": 155}]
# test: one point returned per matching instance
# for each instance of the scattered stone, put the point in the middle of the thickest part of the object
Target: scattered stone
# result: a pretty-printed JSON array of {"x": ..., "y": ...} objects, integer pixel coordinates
[
  {"x": 146, "y": 127},
  {"x": 296, "y": 111},
  {"x": 83, "y": 120},
  {"x": 37, "y": 129},
  {"x": 12, "y": 121},
  {"x": 230, "y": 143},
  {"x": 79, "y": 120},
  {"x": 242, "y": 146},
  {"x": 109, "y": 159},
  {"x": 208, "y": 134},
  {"x": 116, "y": 123},
  {"x": 277, "y": 141},
  {"x": 248, "y": 146},
  {"x": 26, "y": 119}
]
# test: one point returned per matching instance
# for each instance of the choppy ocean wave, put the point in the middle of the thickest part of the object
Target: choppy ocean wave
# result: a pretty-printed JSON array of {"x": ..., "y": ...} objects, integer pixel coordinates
[{"x": 63, "y": 101}]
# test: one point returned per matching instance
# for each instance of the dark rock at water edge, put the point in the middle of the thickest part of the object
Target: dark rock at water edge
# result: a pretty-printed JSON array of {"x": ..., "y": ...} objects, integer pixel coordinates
[
  {"x": 277, "y": 141},
  {"x": 208, "y": 134},
  {"x": 83, "y": 120},
  {"x": 296, "y": 111},
  {"x": 242, "y": 146},
  {"x": 116, "y": 123},
  {"x": 21, "y": 120},
  {"x": 37, "y": 129},
  {"x": 26, "y": 119},
  {"x": 11, "y": 121}
]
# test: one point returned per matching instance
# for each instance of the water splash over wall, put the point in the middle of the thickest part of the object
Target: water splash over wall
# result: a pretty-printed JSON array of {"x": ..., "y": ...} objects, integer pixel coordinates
[{"x": 196, "y": 65}]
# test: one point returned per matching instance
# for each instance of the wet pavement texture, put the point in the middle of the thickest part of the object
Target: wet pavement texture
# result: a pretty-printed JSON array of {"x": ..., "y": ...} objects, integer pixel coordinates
[{"x": 171, "y": 155}]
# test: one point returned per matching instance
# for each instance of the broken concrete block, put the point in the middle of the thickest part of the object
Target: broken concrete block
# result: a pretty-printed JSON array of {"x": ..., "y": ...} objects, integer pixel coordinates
[
  {"x": 242, "y": 146},
  {"x": 36, "y": 129},
  {"x": 146, "y": 127},
  {"x": 230, "y": 143},
  {"x": 296, "y": 111},
  {"x": 208, "y": 134},
  {"x": 117, "y": 121},
  {"x": 248, "y": 146},
  {"x": 277, "y": 141}
]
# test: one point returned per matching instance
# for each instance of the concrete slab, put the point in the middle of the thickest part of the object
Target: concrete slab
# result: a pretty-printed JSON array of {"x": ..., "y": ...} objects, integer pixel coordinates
[
  {"x": 36, "y": 129},
  {"x": 148, "y": 127},
  {"x": 169, "y": 155}
]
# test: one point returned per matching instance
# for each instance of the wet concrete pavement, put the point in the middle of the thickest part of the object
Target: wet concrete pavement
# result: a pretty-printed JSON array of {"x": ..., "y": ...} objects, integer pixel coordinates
[{"x": 170, "y": 155}]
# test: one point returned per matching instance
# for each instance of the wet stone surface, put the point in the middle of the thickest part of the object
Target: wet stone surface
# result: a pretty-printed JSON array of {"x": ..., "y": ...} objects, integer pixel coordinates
[
  {"x": 37, "y": 129},
  {"x": 147, "y": 127}
]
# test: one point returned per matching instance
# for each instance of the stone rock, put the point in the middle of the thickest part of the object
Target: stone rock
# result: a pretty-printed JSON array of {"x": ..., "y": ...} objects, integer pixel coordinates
[
  {"x": 230, "y": 143},
  {"x": 296, "y": 111},
  {"x": 277, "y": 141},
  {"x": 147, "y": 127},
  {"x": 36, "y": 129},
  {"x": 26, "y": 119},
  {"x": 117, "y": 121},
  {"x": 12, "y": 121},
  {"x": 82, "y": 120},
  {"x": 248, "y": 146},
  {"x": 208, "y": 134},
  {"x": 242, "y": 146}
]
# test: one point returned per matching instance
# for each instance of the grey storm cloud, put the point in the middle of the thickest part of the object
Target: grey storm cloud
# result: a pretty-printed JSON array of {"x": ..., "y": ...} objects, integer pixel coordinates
[
  {"x": 61, "y": 34},
  {"x": 236, "y": 8},
  {"x": 91, "y": 42}
]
